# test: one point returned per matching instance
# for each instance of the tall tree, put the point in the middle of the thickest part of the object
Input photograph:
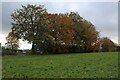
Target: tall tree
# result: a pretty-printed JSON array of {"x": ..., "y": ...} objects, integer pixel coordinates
[
  {"x": 90, "y": 37},
  {"x": 31, "y": 24},
  {"x": 61, "y": 31},
  {"x": 87, "y": 38}
]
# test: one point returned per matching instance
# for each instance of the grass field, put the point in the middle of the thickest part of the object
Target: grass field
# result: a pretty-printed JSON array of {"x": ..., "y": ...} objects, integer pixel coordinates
[{"x": 88, "y": 65}]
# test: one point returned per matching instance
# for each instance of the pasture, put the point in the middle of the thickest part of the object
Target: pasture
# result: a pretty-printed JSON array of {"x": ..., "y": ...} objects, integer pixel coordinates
[{"x": 83, "y": 65}]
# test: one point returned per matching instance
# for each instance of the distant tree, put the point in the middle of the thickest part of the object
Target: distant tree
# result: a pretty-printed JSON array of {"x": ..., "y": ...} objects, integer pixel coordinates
[
  {"x": 31, "y": 24},
  {"x": 12, "y": 41},
  {"x": 118, "y": 48},
  {"x": 0, "y": 47},
  {"x": 107, "y": 45}
]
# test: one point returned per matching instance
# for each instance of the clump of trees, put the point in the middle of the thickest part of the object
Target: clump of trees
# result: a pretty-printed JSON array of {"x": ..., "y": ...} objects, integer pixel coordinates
[
  {"x": 107, "y": 45},
  {"x": 54, "y": 33}
]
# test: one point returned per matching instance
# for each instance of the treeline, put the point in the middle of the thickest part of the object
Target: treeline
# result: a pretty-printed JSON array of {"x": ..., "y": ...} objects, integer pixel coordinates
[{"x": 55, "y": 33}]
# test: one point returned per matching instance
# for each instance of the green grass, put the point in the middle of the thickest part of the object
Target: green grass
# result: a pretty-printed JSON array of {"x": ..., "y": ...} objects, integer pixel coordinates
[{"x": 88, "y": 65}]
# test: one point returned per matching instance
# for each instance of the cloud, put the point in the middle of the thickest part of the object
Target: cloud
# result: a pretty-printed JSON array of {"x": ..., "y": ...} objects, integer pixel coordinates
[
  {"x": 24, "y": 45},
  {"x": 105, "y": 17},
  {"x": 2, "y": 39},
  {"x": 73, "y": 7}
]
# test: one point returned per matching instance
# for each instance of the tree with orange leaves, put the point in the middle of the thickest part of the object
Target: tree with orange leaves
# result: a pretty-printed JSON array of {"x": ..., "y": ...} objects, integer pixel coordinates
[{"x": 62, "y": 31}]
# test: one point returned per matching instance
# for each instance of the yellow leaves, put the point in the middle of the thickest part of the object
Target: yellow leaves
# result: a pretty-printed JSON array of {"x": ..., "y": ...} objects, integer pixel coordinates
[{"x": 12, "y": 41}]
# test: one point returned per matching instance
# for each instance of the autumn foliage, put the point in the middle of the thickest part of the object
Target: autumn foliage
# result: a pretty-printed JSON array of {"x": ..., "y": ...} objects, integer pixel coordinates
[{"x": 55, "y": 33}]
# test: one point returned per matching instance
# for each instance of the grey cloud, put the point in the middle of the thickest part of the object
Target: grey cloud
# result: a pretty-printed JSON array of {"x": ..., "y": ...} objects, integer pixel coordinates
[{"x": 105, "y": 17}]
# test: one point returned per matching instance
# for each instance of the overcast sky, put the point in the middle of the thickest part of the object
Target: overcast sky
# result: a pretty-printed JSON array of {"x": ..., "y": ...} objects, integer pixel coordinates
[{"x": 104, "y": 15}]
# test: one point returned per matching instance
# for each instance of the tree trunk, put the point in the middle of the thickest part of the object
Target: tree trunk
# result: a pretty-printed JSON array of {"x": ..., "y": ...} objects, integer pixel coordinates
[
  {"x": 33, "y": 47},
  {"x": 84, "y": 48}
]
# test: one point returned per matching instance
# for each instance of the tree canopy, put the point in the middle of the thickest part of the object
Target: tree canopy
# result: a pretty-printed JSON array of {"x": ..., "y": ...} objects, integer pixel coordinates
[
  {"x": 56, "y": 33},
  {"x": 30, "y": 23}
]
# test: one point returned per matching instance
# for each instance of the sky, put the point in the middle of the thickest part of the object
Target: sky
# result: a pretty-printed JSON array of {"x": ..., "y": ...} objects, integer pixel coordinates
[{"x": 104, "y": 15}]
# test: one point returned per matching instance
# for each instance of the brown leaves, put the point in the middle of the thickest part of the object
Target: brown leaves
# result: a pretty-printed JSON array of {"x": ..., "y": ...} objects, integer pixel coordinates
[
  {"x": 61, "y": 27},
  {"x": 12, "y": 41}
]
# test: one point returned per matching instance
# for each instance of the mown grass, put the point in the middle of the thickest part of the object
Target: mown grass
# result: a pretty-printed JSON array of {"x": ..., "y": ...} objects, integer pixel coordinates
[{"x": 87, "y": 65}]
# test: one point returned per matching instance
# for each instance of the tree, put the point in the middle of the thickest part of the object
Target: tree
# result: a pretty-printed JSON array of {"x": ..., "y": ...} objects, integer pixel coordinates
[
  {"x": 90, "y": 37},
  {"x": 87, "y": 38},
  {"x": 107, "y": 45},
  {"x": 12, "y": 41},
  {"x": 62, "y": 32},
  {"x": 118, "y": 48},
  {"x": 31, "y": 24}
]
